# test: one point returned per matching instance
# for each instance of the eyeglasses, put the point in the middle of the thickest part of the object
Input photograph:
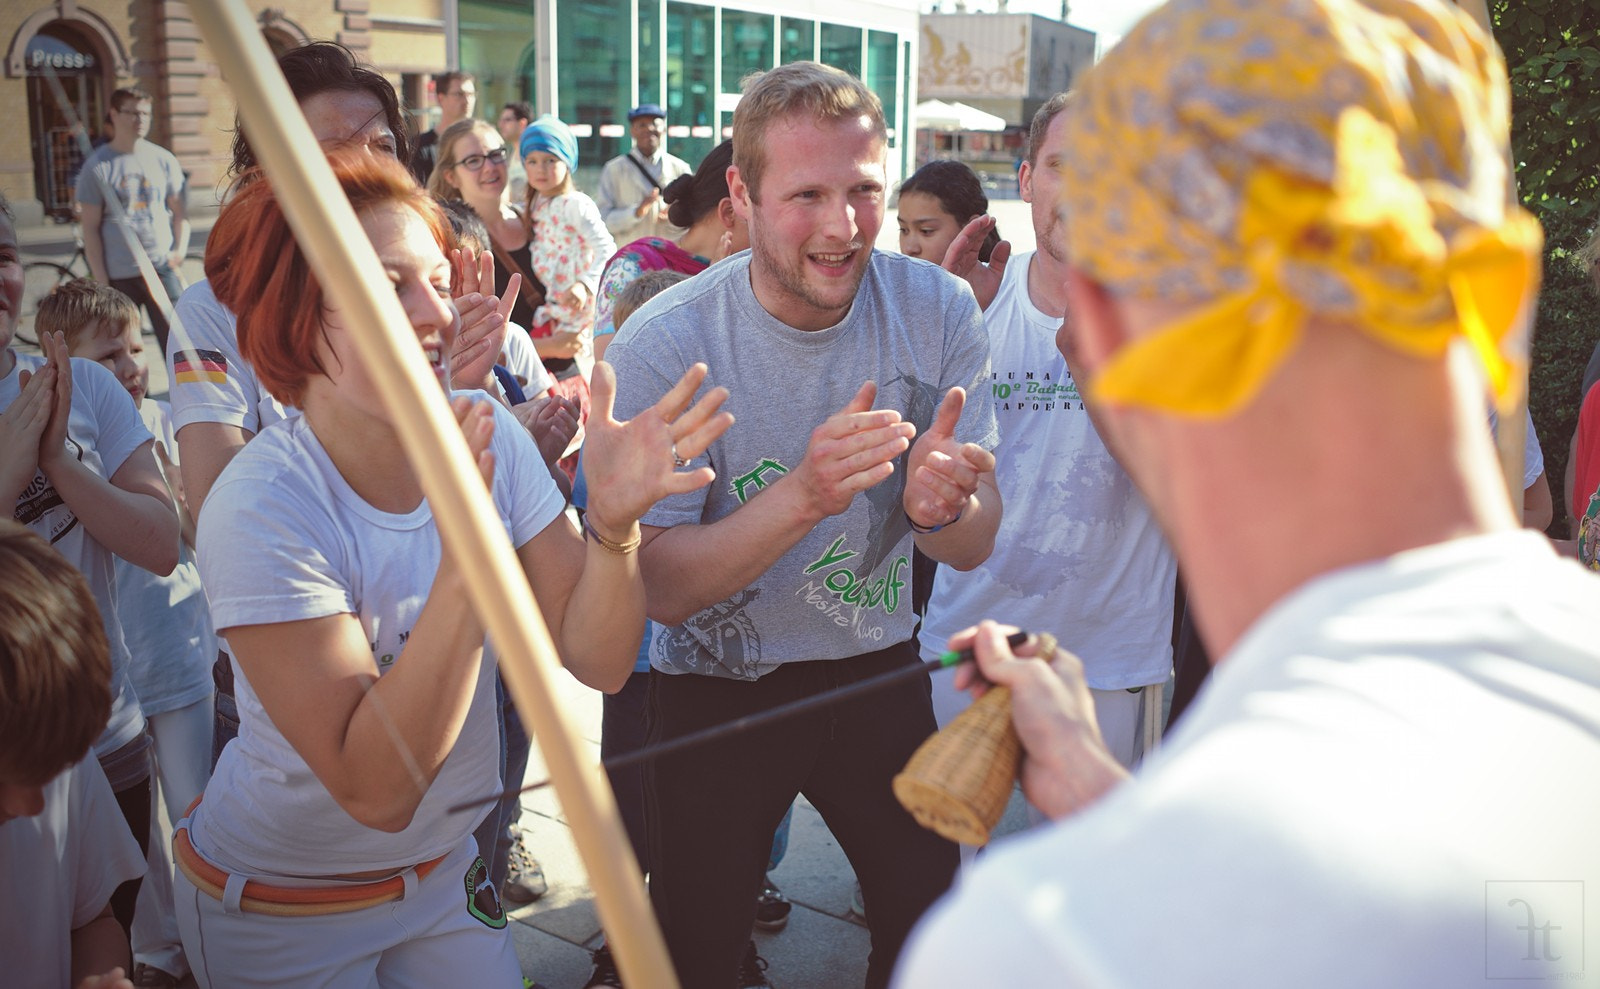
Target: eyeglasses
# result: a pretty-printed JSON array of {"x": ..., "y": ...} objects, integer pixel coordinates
[{"x": 474, "y": 162}]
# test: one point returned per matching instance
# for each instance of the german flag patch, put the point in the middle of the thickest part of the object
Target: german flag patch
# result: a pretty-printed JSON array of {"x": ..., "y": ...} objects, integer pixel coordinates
[{"x": 195, "y": 366}]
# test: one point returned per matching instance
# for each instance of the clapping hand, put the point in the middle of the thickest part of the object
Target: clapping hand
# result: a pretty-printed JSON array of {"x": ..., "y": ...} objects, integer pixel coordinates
[
  {"x": 942, "y": 473},
  {"x": 853, "y": 450},
  {"x": 631, "y": 465},
  {"x": 961, "y": 259},
  {"x": 476, "y": 419},
  {"x": 21, "y": 427},
  {"x": 52, "y": 449},
  {"x": 552, "y": 420},
  {"x": 484, "y": 319}
]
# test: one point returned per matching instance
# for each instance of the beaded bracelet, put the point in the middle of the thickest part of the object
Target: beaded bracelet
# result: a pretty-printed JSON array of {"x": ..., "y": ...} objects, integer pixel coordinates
[
  {"x": 928, "y": 530},
  {"x": 621, "y": 549}
]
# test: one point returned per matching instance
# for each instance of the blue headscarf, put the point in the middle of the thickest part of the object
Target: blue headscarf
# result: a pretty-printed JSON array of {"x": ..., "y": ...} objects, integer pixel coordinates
[{"x": 551, "y": 135}]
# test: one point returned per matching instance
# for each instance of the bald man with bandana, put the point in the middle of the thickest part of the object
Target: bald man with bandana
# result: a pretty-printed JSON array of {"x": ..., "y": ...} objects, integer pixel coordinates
[{"x": 1296, "y": 273}]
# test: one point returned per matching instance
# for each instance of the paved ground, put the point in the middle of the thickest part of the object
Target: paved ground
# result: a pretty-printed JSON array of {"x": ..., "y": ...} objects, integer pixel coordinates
[{"x": 822, "y": 948}]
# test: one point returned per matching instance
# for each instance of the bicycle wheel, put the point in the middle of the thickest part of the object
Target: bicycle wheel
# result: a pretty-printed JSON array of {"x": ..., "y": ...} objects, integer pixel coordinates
[{"x": 39, "y": 279}]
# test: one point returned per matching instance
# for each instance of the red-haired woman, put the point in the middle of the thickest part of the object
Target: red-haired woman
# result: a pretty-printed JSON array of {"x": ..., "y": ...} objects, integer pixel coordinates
[{"x": 324, "y": 851}]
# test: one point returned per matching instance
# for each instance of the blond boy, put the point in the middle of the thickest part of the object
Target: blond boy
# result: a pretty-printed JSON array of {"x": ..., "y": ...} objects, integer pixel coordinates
[{"x": 164, "y": 620}]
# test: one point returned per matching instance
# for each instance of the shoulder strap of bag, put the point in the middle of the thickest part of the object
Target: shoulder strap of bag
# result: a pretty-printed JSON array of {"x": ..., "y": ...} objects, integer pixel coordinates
[{"x": 644, "y": 171}]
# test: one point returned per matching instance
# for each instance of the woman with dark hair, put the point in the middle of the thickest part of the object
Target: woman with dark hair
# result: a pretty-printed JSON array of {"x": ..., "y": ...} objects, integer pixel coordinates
[
  {"x": 325, "y": 77},
  {"x": 327, "y": 850},
  {"x": 935, "y": 203},
  {"x": 699, "y": 202}
]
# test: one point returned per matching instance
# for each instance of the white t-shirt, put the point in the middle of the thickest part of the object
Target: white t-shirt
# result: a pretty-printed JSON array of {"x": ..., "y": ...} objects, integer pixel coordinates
[
  {"x": 60, "y": 868},
  {"x": 522, "y": 360},
  {"x": 1078, "y": 553},
  {"x": 143, "y": 180},
  {"x": 103, "y": 431},
  {"x": 207, "y": 379},
  {"x": 1375, "y": 776},
  {"x": 164, "y": 619},
  {"x": 285, "y": 538}
]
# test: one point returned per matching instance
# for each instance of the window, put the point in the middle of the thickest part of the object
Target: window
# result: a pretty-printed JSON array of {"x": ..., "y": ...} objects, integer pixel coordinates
[
  {"x": 841, "y": 48},
  {"x": 799, "y": 40},
  {"x": 747, "y": 46},
  {"x": 497, "y": 45},
  {"x": 691, "y": 82},
  {"x": 650, "y": 51},
  {"x": 883, "y": 78},
  {"x": 593, "y": 79}
]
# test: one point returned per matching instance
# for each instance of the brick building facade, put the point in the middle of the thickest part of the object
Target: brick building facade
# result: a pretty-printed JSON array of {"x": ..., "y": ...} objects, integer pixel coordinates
[{"x": 64, "y": 58}]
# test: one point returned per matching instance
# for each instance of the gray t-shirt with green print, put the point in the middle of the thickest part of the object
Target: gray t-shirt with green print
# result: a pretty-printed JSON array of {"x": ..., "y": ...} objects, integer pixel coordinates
[{"x": 845, "y": 589}]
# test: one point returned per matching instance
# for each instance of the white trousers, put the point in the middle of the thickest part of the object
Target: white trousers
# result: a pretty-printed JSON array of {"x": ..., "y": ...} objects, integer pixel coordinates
[
  {"x": 183, "y": 764},
  {"x": 425, "y": 940}
]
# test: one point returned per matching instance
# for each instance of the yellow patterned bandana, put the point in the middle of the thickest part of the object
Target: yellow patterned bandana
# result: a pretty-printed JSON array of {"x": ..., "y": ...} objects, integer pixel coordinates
[{"x": 1270, "y": 160}]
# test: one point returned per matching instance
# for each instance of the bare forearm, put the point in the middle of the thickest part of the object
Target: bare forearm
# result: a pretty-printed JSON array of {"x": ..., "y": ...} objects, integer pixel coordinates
[
  {"x": 141, "y": 527},
  {"x": 204, "y": 449},
  {"x": 690, "y": 567},
  {"x": 604, "y": 619},
  {"x": 968, "y": 541},
  {"x": 407, "y": 722},
  {"x": 98, "y": 947},
  {"x": 1072, "y": 780},
  {"x": 565, "y": 343},
  {"x": 94, "y": 251},
  {"x": 15, "y": 477}
]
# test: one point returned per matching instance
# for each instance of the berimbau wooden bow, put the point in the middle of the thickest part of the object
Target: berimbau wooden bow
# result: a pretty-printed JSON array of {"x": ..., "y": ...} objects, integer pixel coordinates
[{"x": 332, "y": 238}]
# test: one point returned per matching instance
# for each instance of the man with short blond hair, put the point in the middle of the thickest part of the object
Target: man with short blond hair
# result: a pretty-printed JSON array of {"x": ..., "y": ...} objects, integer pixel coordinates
[{"x": 790, "y": 575}]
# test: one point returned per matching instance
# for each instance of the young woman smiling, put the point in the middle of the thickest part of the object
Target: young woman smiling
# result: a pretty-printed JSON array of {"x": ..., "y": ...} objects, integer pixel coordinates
[{"x": 324, "y": 851}]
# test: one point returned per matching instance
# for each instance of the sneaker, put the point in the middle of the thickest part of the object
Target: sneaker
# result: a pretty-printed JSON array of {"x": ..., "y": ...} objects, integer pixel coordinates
[
  {"x": 772, "y": 907},
  {"x": 605, "y": 969},
  {"x": 150, "y": 977},
  {"x": 858, "y": 906},
  {"x": 753, "y": 970},
  {"x": 525, "y": 880}
]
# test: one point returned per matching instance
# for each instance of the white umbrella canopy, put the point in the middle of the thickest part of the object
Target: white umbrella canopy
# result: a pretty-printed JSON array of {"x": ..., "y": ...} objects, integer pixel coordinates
[{"x": 942, "y": 116}]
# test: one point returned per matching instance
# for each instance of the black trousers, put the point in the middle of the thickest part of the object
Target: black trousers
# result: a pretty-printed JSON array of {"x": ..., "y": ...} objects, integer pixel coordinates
[
  {"x": 136, "y": 289},
  {"x": 134, "y": 802},
  {"x": 713, "y": 809},
  {"x": 622, "y": 730}
]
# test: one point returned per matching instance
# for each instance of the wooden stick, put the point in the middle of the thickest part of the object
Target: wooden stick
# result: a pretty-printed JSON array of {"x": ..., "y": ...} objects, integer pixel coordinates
[{"x": 332, "y": 238}]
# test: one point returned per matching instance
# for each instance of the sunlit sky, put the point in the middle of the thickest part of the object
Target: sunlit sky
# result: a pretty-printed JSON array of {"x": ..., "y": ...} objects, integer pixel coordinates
[{"x": 1111, "y": 19}]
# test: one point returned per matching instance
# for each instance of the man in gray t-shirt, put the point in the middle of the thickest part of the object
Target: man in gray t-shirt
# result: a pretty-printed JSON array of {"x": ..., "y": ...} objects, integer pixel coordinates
[
  {"x": 790, "y": 574},
  {"x": 147, "y": 217}
]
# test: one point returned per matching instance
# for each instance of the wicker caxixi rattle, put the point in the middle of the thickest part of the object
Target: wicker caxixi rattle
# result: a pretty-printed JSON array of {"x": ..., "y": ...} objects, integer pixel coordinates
[{"x": 958, "y": 781}]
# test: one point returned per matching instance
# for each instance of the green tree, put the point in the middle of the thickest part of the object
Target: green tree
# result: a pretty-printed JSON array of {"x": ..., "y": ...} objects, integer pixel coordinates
[{"x": 1552, "y": 50}]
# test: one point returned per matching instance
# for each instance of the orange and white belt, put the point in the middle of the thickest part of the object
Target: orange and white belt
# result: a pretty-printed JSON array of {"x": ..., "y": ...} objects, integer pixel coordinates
[{"x": 248, "y": 895}]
